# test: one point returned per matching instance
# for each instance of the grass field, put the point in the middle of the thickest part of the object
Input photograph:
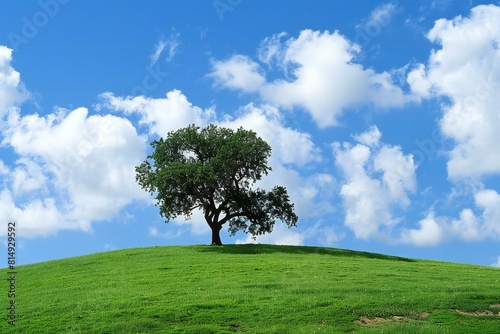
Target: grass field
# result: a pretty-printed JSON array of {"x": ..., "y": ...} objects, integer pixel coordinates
[{"x": 252, "y": 289}]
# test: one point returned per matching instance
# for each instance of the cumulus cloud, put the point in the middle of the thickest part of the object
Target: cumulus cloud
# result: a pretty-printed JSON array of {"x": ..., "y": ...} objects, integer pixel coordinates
[
  {"x": 27, "y": 177},
  {"x": 377, "y": 178},
  {"x": 324, "y": 78},
  {"x": 4, "y": 170},
  {"x": 469, "y": 226},
  {"x": 289, "y": 146},
  {"x": 466, "y": 227},
  {"x": 429, "y": 233},
  {"x": 40, "y": 217},
  {"x": 84, "y": 165},
  {"x": 196, "y": 223},
  {"x": 281, "y": 235},
  {"x": 369, "y": 138},
  {"x": 419, "y": 84},
  {"x": 160, "y": 115},
  {"x": 271, "y": 49},
  {"x": 312, "y": 195},
  {"x": 488, "y": 201},
  {"x": 238, "y": 72},
  {"x": 466, "y": 69},
  {"x": 11, "y": 89}
]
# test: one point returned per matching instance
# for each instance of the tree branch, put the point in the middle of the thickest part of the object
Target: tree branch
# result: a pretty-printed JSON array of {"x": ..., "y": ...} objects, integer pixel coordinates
[
  {"x": 231, "y": 216},
  {"x": 195, "y": 206}
]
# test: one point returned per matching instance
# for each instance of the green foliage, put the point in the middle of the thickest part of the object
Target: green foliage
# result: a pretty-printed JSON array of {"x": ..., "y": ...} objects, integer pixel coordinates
[
  {"x": 252, "y": 289},
  {"x": 214, "y": 169}
]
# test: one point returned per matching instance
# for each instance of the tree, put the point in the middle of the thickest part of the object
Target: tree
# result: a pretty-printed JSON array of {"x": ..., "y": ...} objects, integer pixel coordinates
[{"x": 214, "y": 169}]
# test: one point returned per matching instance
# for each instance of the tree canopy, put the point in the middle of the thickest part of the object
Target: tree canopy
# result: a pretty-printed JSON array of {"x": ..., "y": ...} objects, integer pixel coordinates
[{"x": 214, "y": 169}]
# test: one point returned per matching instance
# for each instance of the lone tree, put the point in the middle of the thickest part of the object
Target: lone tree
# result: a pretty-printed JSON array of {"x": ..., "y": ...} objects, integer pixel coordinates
[{"x": 214, "y": 169}]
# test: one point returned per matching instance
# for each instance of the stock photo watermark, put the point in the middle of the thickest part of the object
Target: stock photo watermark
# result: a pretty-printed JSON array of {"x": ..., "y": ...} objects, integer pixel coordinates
[
  {"x": 484, "y": 91},
  {"x": 429, "y": 148},
  {"x": 32, "y": 25},
  {"x": 223, "y": 6},
  {"x": 373, "y": 26},
  {"x": 150, "y": 81},
  {"x": 11, "y": 273}
]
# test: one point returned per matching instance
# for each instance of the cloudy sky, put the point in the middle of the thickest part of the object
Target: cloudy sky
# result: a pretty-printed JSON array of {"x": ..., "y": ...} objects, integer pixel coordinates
[{"x": 383, "y": 118}]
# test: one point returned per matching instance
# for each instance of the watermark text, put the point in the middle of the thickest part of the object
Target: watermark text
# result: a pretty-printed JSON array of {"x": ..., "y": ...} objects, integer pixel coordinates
[{"x": 11, "y": 273}]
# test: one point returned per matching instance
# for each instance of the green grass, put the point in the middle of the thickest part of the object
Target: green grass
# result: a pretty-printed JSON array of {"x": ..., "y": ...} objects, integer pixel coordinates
[{"x": 252, "y": 289}]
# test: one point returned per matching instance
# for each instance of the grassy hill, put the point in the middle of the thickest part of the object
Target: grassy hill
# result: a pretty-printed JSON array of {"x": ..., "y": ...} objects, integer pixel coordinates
[{"x": 252, "y": 289}]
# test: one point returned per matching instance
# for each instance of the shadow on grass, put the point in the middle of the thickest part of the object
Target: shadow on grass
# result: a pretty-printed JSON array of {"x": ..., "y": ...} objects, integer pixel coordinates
[{"x": 268, "y": 249}]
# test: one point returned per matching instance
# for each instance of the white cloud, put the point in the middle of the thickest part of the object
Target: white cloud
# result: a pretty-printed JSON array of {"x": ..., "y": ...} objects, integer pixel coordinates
[
  {"x": 488, "y": 201},
  {"x": 376, "y": 181},
  {"x": 154, "y": 232},
  {"x": 369, "y": 29},
  {"x": 380, "y": 17},
  {"x": 171, "y": 45},
  {"x": 158, "y": 50},
  {"x": 289, "y": 146},
  {"x": 327, "y": 235},
  {"x": 312, "y": 195},
  {"x": 467, "y": 70},
  {"x": 398, "y": 172},
  {"x": 36, "y": 218},
  {"x": 271, "y": 49},
  {"x": 160, "y": 115},
  {"x": 497, "y": 263},
  {"x": 11, "y": 89},
  {"x": 197, "y": 223},
  {"x": 429, "y": 233},
  {"x": 468, "y": 227},
  {"x": 417, "y": 79},
  {"x": 85, "y": 165},
  {"x": 325, "y": 79},
  {"x": 324, "y": 233},
  {"x": 28, "y": 176},
  {"x": 4, "y": 170},
  {"x": 281, "y": 235},
  {"x": 369, "y": 138},
  {"x": 238, "y": 72},
  {"x": 175, "y": 111}
]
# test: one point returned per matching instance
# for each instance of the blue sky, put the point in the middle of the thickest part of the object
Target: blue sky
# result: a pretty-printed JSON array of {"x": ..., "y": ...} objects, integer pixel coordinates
[{"x": 382, "y": 117}]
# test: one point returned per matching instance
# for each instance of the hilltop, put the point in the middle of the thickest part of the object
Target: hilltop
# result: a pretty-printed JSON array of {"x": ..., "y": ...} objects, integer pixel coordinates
[{"x": 253, "y": 289}]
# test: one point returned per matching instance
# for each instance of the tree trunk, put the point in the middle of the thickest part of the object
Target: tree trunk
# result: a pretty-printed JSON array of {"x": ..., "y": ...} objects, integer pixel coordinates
[{"x": 215, "y": 235}]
